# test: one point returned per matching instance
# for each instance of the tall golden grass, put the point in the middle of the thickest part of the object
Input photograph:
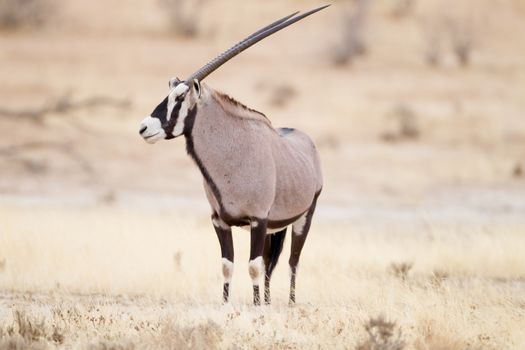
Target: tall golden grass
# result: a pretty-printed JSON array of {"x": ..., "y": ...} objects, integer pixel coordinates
[{"x": 117, "y": 277}]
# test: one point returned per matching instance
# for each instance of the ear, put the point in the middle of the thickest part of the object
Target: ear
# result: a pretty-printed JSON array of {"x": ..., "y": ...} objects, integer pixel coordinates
[
  {"x": 197, "y": 87},
  {"x": 174, "y": 82}
]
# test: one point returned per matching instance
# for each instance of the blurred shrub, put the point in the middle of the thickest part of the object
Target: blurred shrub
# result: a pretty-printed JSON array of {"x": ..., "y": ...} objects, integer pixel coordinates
[
  {"x": 183, "y": 15},
  {"x": 517, "y": 171},
  {"x": 352, "y": 43},
  {"x": 432, "y": 41},
  {"x": 402, "y": 125},
  {"x": 15, "y": 14},
  {"x": 400, "y": 270},
  {"x": 402, "y": 8},
  {"x": 462, "y": 37},
  {"x": 282, "y": 94},
  {"x": 444, "y": 31},
  {"x": 382, "y": 335}
]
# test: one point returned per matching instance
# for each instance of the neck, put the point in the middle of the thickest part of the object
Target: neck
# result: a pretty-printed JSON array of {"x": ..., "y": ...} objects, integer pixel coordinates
[
  {"x": 190, "y": 149},
  {"x": 215, "y": 136}
]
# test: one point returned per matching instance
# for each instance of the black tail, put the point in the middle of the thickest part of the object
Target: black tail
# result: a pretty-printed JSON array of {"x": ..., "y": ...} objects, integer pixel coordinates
[{"x": 276, "y": 241}]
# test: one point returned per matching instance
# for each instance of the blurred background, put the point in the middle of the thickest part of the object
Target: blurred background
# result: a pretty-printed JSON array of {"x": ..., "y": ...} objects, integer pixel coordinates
[
  {"x": 416, "y": 106},
  {"x": 413, "y": 104}
]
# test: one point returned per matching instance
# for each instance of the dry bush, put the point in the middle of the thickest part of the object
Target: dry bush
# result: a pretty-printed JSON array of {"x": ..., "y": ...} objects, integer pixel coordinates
[
  {"x": 108, "y": 197},
  {"x": 28, "y": 329},
  {"x": 432, "y": 41},
  {"x": 438, "y": 277},
  {"x": 16, "y": 14},
  {"x": 177, "y": 260},
  {"x": 517, "y": 172},
  {"x": 401, "y": 270},
  {"x": 2, "y": 264},
  {"x": 462, "y": 38},
  {"x": 183, "y": 16},
  {"x": 279, "y": 93},
  {"x": 352, "y": 42},
  {"x": 444, "y": 31},
  {"x": 21, "y": 154},
  {"x": 282, "y": 94},
  {"x": 404, "y": 125},
  {"x": 64, "y": 105},
  {"x": 29, "y": 333},
  {"x": 402, "y": 8},
  {"x": 382, "y": 335}
]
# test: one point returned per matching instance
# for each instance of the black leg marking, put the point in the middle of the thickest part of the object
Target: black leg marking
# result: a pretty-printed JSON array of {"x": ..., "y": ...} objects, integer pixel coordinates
[
  {"x": 292, "y": 285},
  {"x": 256, "y": 268},
  {"x": 267, "y": 298},
  {"x": 273, "y": 246},
  {"x": 298, "y": 239},
  {"x": 225, "y": 292},
  {"x": 224, "y": 233}
]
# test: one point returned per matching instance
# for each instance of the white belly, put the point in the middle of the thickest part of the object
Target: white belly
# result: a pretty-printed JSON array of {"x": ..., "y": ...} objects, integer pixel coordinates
[
  {"x": 298, "y": 226},
  {"x": 269, "y": 231}
]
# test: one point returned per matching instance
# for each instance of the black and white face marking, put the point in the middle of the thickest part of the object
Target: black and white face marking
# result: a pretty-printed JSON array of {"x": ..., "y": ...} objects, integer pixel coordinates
[{"x": 167, "y": 119}]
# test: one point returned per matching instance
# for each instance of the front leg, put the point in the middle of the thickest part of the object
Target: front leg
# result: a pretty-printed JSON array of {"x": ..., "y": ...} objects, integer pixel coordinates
[
  {"x": 224, "y": 233},
  {"x": 256, "y": 265}
]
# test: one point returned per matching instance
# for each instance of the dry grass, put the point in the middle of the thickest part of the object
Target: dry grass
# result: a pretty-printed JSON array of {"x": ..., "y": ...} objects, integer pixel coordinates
[{"x": 135, "y": 279}]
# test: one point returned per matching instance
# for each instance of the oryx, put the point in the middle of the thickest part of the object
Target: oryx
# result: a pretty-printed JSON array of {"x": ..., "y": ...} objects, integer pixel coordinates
[{"x": 255, "y": 176}]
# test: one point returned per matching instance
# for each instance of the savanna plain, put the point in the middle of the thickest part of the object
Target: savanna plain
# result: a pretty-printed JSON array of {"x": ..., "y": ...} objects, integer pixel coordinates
[{"x": 416, "y": 107}]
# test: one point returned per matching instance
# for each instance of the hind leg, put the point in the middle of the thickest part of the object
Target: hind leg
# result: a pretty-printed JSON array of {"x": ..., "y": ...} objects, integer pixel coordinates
[
  {"x": 273, "y": 246},
  {"x": 300, "y": 230}
]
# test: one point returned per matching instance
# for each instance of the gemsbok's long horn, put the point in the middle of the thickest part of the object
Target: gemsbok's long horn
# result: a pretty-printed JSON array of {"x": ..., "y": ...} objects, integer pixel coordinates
[{"x": 249, "y": 41}]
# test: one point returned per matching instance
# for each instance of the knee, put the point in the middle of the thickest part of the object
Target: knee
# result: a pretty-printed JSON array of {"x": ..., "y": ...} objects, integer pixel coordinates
[
  {"x": 256, "y": 269},
  {"x": 294, "y": 260},
  {"x": 293, "y": 270},
  {"x": 227, "y": 270}
]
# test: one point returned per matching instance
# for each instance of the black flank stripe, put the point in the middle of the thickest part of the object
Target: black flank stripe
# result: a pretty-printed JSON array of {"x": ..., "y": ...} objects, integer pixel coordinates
[{"x": 190, "y": 149}]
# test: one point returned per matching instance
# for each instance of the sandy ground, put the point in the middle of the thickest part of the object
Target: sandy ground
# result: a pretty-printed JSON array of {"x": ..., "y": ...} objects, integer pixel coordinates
[{"x": 105, "y": 242}]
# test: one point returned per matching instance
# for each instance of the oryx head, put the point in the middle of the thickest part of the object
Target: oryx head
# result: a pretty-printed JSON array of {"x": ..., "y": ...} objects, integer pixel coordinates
[{"x": 167, "y": 119}]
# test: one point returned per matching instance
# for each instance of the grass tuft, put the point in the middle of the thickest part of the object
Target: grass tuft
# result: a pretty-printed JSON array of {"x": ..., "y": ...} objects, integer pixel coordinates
[{"x": 382, "y": 335}]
